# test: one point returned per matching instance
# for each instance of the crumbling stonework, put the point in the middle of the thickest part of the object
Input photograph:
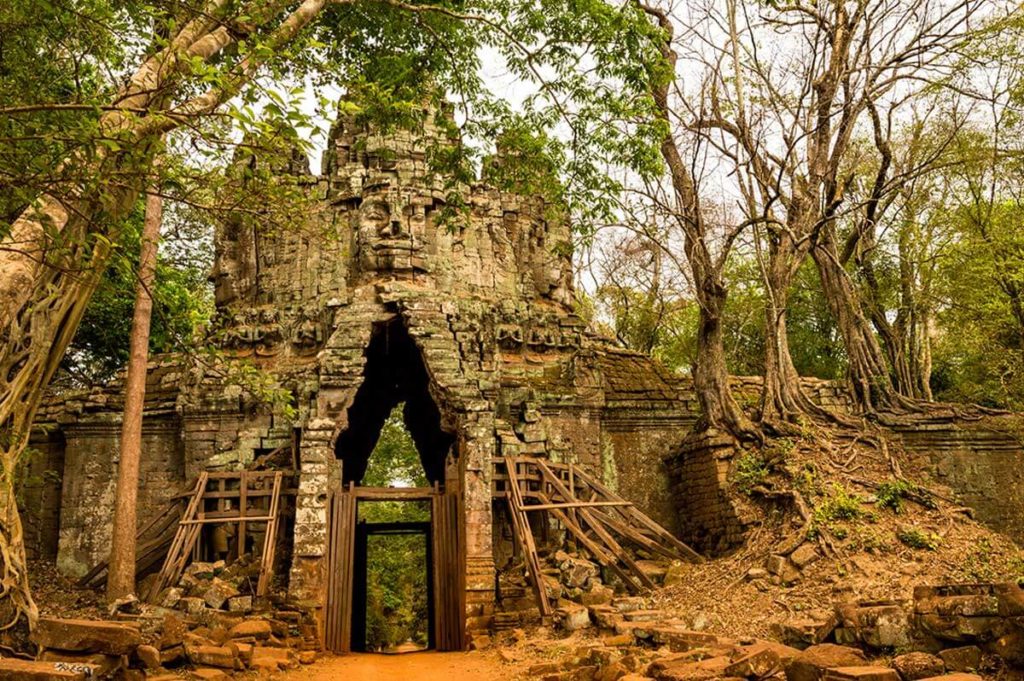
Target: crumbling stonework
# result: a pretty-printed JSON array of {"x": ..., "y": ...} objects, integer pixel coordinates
[{"x": 373, "y": 301}]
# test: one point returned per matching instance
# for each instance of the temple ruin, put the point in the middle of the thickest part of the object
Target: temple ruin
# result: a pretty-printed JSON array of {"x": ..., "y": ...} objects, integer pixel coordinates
[{"x": 469, "y": 324}]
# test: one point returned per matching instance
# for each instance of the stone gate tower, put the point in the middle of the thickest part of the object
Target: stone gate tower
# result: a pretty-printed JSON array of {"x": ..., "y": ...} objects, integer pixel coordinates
[{"x": 368, "y": 303}]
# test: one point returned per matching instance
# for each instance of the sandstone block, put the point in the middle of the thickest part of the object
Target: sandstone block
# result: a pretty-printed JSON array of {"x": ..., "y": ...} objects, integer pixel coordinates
[
  {"x": 861, "y": 673},
  {"x": 149, "y": 656},
  {"x": 811, "y": 664},
  {"x": 208, "y": 674},
  {"x": 109, "y": 638},
  {"x": 755, "y": 662},
  {"x": 962, "y": 659},
  {"x": 915, "y": 666},
  {"x": 12, "y": 669},
  {"x": 211, "y": 656},
  {"x": 257, "y": 629},
  {"x": 218, "y": 593}
]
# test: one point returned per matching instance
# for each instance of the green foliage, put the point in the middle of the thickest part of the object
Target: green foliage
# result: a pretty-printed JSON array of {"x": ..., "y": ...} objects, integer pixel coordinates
[
  {"x": 396, "y": 590},
  {"x": 840, "y": 504},
  {"x": 916, "y": 538},
  {"x": 836, "y": 511},
  {"x": 749, "y": 471},
  {"x": 181, "y": 301},
  {"x": 978, "y": 565},
  {"x": 397, "y": 565},
  {"x": 891, "y": 494}
]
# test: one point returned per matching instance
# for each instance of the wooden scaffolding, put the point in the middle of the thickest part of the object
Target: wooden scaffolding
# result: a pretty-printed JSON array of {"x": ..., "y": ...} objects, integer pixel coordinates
[
  {"x": 240, "y": 499},
  {"x": 604, "y": 524}
]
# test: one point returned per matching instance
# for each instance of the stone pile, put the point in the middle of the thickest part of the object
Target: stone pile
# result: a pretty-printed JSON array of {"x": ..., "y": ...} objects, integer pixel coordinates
[
  {"x": 955, "y": 631},
  {"x": 214, "y": 586},
  {"x": 168, "y": 645},
  {"x": 74, "y": 649},
  {"x": 673, "y": 653}
]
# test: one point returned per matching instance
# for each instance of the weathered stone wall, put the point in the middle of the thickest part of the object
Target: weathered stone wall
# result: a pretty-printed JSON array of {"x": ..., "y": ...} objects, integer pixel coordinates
[
  {"x": 982, "y": 462},
  {"x": 39, "y": 493},
  {"x": 90, "y": 476}
]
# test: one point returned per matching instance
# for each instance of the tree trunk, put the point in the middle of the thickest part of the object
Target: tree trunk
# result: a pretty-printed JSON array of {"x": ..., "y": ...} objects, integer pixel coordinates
[
  {"x": 870, "y": 385},
  {"x": 719, "y": 410},
  {"x": 121, "y": 573},
  {"x": 783, "y": 400}
]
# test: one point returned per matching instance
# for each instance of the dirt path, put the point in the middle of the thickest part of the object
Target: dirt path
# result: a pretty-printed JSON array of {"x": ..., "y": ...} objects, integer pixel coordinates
[{"x": 409, "y": 667}]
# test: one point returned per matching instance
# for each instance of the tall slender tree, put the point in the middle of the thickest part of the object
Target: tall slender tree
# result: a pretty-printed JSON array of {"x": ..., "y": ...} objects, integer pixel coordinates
[{"x": 121, "y": 571}]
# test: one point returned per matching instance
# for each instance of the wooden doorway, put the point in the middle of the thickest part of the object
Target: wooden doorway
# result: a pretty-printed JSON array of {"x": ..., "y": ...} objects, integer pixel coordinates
[{"x": 446, "y": 557}]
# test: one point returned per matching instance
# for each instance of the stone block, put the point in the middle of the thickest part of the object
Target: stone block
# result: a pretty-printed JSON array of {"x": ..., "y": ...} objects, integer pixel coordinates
[
  {"x": 755, "y": 662},
  {"x": 218, "y": 593},
  {"x": 811, "y": 664},
  {"x": 149, "y": 656},
  {"x": 94, "y": 636},
  {"x": 211, "y": 656},
  {"x": 861, "y": 673},
  {"x": 12, "y": 669},
  {"x": 961, "y": 659},
  {"x": 918, "y": 665}
]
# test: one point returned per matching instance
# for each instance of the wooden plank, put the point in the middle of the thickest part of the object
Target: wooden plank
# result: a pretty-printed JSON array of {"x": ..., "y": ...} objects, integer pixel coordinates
[
  {"x": 597, "y": 528},
  {"x": 270, "y": 540},
  {"x": 243, "y": 510},
  {"x": 394, "y": 493},
  {"x": 526, "y": 541},
  {"x": 685, "y": 551},
  {"x": 571, "y": 505}
]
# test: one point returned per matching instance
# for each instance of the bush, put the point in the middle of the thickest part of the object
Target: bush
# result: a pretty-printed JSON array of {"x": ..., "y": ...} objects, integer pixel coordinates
[
  {"x": 918, "y": 539},
  {"x": 891, "y": 494},
  {"x": 841, "y": 504}
]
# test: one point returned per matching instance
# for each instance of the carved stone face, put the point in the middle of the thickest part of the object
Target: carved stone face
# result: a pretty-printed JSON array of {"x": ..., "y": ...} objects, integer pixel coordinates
[{"x": 384, "y": 238}]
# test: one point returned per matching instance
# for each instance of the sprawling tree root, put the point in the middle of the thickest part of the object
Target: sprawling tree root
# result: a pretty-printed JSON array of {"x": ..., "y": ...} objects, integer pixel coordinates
[{"x": 18, "y": 608}]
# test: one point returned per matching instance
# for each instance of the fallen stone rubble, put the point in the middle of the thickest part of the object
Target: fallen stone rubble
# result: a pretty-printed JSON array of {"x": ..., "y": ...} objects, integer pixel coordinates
[
  {"x": 953, "y": 633},
  {"x": 209, "y": 636}
]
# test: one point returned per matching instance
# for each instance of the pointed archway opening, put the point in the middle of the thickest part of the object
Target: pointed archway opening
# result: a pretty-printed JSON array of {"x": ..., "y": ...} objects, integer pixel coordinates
[{"x": 394, "y": 375}]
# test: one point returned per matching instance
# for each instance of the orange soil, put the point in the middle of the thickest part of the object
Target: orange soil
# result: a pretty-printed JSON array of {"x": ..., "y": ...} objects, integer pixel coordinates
[{"x": 427, "y": 666}]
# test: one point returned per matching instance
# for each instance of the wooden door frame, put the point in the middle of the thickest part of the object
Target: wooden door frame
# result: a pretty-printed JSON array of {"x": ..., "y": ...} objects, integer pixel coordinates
[{"x": 446, "y": 551}]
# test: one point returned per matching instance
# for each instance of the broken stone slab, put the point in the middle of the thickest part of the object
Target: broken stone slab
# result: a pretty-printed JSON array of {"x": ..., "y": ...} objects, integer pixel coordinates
[
  {"x": 242, "y": 604},
  {"x": 628, "y": 603},
  {"x": 646, "y": 615},
  {"x": 257, "y": 629},
  {"x": 812, "y": 663},
  {"x": 804, "y": 555},
  {"x": 875, "y": 624},
  {"x": 103, "y": 665},
  {"x": 217, "y": 595},
  {"x": 148, "y": 656},
  {"x": 785, "y": 653},
  {"x": 689, "y": 670},
  {"x": 211, "y": 656},
  {"x": 208, "y": 674},
  {"x": 755, "y": 662},
  {"x": 93, "y": 636},
  {"x": 267, "y": 659},
  {"x": 38, "y": 670},
  {"x": 918, "y": 665},
  {"x": 681, "y": 640},
  {"x": 572, "y": 616},
  {"x": 861, "y": 673},
  {"x": 806, "y": 631},
  {"x": 172, "y": 632},
  {"x": 962, "y": 658}
]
